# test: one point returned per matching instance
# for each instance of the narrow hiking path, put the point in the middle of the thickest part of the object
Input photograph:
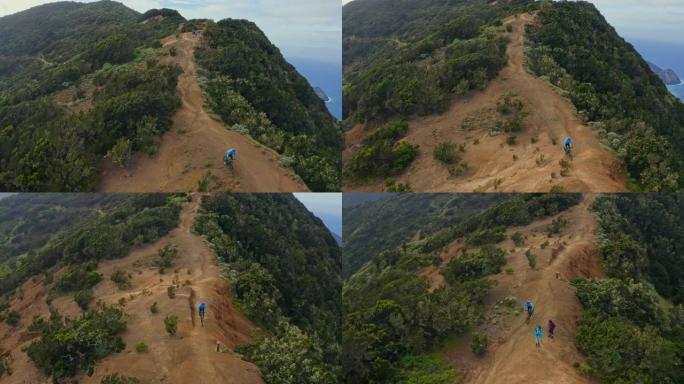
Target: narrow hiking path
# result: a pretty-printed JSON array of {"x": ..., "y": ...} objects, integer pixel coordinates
[
  {"x": 190, "y": 354},
  {"x": 196, "y": 144},
  {"x": 493, "y": 165},
  {"x": 512, "y": 356}
]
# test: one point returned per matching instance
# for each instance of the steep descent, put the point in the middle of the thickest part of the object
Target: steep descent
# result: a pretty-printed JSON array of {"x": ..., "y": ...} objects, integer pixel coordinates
[
  {"x": 513, "y": 356},
  {"x": 493, "y": 165},
  {"x": 190, "y": 354},
  {"x": 196, "y": 144}
]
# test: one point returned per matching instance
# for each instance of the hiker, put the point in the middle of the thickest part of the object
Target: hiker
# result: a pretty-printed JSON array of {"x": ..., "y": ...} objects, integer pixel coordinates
[
  {"x": 568, "y": 146},
  {"x": 557, "y": 275},
  {"x": 529, "y": 307},
  {"x": 231, "y": 155},
  {"x": 538, "y": 333},
  {"x": 552, "y": 327},
  {"x": 202, "y": 310}
]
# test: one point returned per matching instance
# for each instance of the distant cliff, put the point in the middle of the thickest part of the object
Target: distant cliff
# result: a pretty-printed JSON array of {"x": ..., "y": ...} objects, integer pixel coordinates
[{"x": 668, "y": 76}]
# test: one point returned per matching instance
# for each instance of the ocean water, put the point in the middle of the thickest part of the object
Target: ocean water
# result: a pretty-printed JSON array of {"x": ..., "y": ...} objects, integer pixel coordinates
[
  {"x": 665, "y": 55},
  {"x": 327, "y": 76}
]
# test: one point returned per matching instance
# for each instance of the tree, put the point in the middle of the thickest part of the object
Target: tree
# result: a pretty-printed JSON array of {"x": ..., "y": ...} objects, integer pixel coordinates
[
  {"x": 121, "y": 152},
  {"x": 171, "y": 324}
]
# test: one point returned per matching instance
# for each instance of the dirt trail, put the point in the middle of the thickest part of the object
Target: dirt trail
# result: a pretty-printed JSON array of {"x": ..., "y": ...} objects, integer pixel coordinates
[
  {"x": 196, "y": 144},
  {"x": 491, "y": 163},
  {"x": 190, "y": 355},
  {"x": 512, "y": 356}
]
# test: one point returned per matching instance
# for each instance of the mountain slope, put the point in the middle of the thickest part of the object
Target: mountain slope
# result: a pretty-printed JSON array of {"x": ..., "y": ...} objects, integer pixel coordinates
[
  {"x": 98, "y": 91},
  {"x": 448, "y": 307},
  {"x": 192, "y": 352},
  {"x": 610, "y": 84},
  {"x": 527, "y": 157},
  {"x": 191, "y": 152}
]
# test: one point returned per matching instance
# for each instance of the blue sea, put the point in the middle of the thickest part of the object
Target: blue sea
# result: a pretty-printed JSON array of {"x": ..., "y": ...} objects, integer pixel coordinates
[
  {"x": 327, "y": 76},
  {"x": 665, "y": 55}
]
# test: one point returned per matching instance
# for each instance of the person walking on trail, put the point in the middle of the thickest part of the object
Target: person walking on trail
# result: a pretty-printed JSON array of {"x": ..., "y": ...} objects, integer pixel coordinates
[
  {"x": 529, "y": 308},
  {"x": 552, "y": 327},
  {"x": 538, "y": 334},
  {"x": 202, "y": 309},
  {"x": 568, "y": 146}
]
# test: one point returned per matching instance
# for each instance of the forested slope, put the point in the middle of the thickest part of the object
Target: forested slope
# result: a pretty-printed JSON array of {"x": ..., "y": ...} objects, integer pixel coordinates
[
  {"x": 78, "y": 82},
  {"x": 286, "y": 279},
  {"x": 254, "y": 90},
  {"x": 611, "y": 85},
  {"x": 394, "y": 318},
  {"x": 385, "y": 224}
]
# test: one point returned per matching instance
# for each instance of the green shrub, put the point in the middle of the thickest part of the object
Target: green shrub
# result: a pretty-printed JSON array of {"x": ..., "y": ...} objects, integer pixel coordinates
[
  {"x": 171, "y": 291},
  {"x": 512, "y": 139},
  {"x": 12, "y": 318},
  {"x": 171, "y": 324},
  {"x": 447, "y": 153},
  {"x": 154, "y": 308},
  {"x": 173, "y": 51},
  {"x": 518, "y": 239},
  {"x": 83, "y": 298},
  {"x": 486, "y": 236},
  {"x": 79, "y": 277},
  {"x": 556, "y": 226},
  {"x": 141, "y": 346},
  {"x": 426, "y": 369},
  {"x": 121, "y": 279},
  {"x": 121, "y": 152},
  {"x": 479, "y": 344},
  {"x": 166, "y": 256},
  {"x": 69, "y": 346},
  {"x": 471, "y": 266},
  {"x": 531, "y": 258}
]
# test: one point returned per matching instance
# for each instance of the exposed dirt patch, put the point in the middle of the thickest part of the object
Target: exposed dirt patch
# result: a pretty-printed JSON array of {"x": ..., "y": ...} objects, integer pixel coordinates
[
  {"x": 493, "y": 165},
  {"x": 182, "y": 358},
  {"x": 512, "y": 356},
  {"x": 195, "y": 145}
]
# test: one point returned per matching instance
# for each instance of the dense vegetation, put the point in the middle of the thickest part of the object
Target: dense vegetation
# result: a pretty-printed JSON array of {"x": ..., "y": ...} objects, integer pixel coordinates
[
  {"x": 68, "y": 346},
  {"x": 49, "y": 235},
  {"x": 382, "y": 154},
  {"x": 632, "y": 329},
  {"x": 102, "y": 56},
  {"x": 284, "y": 266},
  {"x": 378, "y": 225},
  {"x": 610, "y": 84},
  {"x": 393, "y": 321},
  {"x": 254, "y": 90},
  {"x": 404, "y": 58}
]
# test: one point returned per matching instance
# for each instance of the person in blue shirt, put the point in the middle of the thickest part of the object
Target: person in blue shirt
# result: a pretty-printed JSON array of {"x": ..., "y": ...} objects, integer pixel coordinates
[
  {"x": 568, "y": 145},
  {"x": 538, "y": 334},
  {"x": 231, "y": 155},
  {"x": 202, "y": 309},
  {"x": 529, "y": 308}
]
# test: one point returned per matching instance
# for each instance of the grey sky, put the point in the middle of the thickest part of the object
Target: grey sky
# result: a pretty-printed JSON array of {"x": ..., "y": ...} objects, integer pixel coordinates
[
  {"x": 656, "y": 20},
  {"x": 326, "y": 206},
  {"x": 310, "y": 29}
]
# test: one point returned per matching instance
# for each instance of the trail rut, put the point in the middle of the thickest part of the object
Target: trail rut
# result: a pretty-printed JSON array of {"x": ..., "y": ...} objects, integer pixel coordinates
[
  {"x": 196, "y": 144},
  {"x": 491, "y": 163}
]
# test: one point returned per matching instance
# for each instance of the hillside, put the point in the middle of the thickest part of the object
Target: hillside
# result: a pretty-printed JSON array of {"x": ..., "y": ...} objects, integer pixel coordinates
[
  {"x": 377, "y": 225},
  {"x": 138, "y": 304},
  {"x": 89, "y": 88},
  {"x": 510, "y": 79},
  {"x": 448, "y": 307}
]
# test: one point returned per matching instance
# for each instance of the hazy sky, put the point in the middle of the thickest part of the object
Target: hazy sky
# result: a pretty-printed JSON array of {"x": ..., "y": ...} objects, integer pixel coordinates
[
  {"x": 326, "y": 206},
  {"x": 310, "y": 29},
  {"x": 657, "y": 20}
]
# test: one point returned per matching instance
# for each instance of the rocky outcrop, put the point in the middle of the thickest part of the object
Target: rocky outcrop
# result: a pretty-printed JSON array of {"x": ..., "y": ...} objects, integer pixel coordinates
[{"x": 668, "y": 76}]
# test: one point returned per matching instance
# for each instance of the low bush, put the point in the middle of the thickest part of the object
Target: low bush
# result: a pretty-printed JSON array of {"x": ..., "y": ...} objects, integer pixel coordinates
[
  {"x": 479, "y": 344},
  {"x": 171, "y": 324}
]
